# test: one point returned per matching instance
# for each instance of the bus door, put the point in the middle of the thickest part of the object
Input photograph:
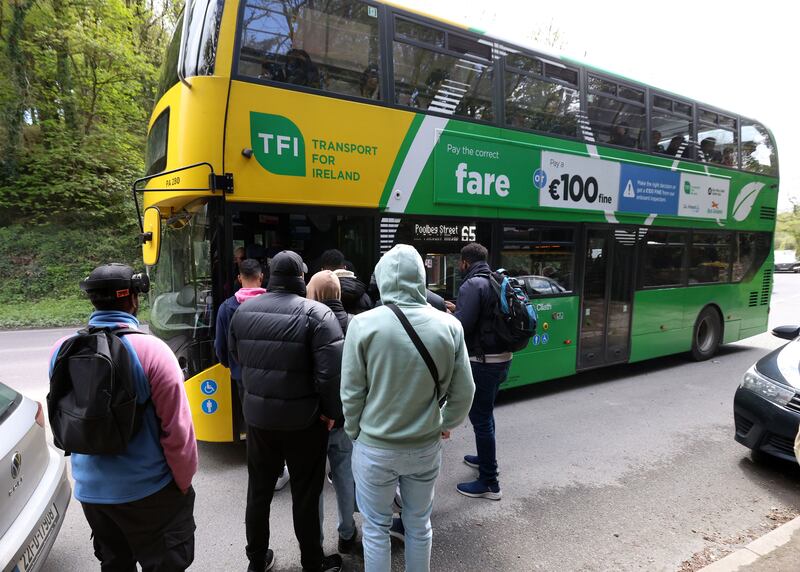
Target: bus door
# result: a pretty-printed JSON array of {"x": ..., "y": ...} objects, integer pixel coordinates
[{"x": 607, "y": 301}]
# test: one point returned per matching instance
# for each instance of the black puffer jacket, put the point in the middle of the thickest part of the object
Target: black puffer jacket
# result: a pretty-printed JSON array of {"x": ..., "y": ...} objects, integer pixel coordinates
[
  {"x": 344, "y": 320},
  {"x": 290, "y": 350}
]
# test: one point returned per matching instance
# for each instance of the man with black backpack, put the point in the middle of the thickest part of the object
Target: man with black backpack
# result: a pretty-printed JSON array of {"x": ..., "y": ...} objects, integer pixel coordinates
[
  {"x": 117, "y": 404},
  {"x": 490, "y": 358}
]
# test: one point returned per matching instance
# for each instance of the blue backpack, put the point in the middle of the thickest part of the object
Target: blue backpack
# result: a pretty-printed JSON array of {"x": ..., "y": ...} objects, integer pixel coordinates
[{"x": 513, "y": 320}]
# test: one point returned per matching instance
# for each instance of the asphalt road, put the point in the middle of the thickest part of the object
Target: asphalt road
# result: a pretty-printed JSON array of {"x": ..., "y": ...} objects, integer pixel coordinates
[{"x": 627, "y": 468}]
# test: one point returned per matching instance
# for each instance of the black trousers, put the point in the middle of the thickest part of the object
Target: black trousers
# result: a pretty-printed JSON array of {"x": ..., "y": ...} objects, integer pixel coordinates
[
  {"x": 304, "y": 452},
  {"x": 156, "y": 531}
]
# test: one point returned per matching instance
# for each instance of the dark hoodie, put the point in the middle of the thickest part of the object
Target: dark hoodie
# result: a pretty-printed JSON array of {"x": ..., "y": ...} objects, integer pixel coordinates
[{"x": 354, "y": 292}]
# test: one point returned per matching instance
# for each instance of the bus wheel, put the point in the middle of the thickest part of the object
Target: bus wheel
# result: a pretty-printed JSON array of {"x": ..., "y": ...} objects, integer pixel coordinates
[{"x": 707, "y": 334}]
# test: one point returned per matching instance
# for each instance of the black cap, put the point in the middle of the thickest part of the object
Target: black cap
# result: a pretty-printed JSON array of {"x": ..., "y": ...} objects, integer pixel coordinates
[
  {"x": 115, "y": 280},
  {"x": 287, "y": 263}
]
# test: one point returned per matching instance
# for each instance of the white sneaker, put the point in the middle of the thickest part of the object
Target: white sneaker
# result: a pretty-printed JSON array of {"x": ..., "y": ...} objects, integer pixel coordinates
[{"x": 283, "y": 479}]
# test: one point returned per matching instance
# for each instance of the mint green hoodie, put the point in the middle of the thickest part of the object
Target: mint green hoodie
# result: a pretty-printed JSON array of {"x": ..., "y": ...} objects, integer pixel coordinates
[{"x": 388, "y": 394}]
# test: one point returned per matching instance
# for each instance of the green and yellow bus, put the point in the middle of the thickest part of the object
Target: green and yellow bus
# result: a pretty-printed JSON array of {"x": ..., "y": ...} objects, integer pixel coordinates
[{"x": 640, "y": 221}]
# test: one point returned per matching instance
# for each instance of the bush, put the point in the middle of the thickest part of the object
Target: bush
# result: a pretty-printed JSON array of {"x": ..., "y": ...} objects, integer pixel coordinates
[{"x": 42, "y": 266}]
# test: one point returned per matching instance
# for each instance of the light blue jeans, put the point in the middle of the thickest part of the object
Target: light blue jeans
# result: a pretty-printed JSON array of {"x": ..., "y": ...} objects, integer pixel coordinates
[
  {"x": 340, "y": 450},
  {"x": 377, "y": 473}
]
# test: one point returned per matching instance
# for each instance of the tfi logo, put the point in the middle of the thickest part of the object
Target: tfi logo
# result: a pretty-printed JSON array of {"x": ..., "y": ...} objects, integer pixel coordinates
[{"x": 278, "y": 144}]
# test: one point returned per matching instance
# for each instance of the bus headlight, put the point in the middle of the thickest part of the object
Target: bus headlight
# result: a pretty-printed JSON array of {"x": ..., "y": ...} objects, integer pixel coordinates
[{"x": 766, "y": 388}]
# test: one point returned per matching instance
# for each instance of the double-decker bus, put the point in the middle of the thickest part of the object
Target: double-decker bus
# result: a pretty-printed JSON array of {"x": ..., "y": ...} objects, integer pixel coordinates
[{"x": 639, "y": 221}]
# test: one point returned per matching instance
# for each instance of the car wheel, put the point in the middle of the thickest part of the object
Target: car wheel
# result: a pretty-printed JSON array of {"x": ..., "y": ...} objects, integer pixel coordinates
[{"x": 707, "y": 334}]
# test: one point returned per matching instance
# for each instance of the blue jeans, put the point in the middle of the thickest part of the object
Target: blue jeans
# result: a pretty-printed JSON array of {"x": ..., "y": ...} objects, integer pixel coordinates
[
  {"x": 488, "y": 377},
  {"x": 377, "y": 472},
  {"x": 340, "y": 450}
]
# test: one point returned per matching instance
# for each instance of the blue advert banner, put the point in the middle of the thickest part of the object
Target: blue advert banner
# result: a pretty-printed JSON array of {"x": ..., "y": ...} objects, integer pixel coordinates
[{"x": 648, "y": 190}]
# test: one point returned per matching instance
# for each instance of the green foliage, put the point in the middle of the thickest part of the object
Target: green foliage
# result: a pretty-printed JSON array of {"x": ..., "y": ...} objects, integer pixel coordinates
[
  {"x": 787, "y": 230},
  {"x": 48, "y": 261},
  {"x": 79, "y": 80}
]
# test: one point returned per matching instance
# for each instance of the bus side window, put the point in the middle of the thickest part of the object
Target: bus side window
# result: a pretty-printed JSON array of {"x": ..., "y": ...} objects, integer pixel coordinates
[
  {"x": 329, "y": 46},
  {"x": 662, "y": 258},
  {"x": 540, "y": 96}
]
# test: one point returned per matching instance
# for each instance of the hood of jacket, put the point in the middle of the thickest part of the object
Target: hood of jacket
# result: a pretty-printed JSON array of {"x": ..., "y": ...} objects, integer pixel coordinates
[
  {"x": 324, "y": 285},
  {"x": 400, "y": 275},
  {"x": 244, "y": 294}
]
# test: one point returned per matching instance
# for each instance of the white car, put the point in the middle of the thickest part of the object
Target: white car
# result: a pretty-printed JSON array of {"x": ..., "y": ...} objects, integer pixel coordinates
[{"x": 36, "y": 491}]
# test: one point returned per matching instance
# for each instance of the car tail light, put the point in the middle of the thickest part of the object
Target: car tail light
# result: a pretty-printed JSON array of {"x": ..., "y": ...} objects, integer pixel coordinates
[{"x": 40, "y": 415}]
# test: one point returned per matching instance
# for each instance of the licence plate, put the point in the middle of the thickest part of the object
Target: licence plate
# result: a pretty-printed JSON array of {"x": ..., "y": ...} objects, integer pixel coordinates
[{"x": 34, "y": 548}]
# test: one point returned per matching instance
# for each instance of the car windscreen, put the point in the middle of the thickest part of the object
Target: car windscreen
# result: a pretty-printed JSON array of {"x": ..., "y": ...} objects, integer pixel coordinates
[{"x": 8, "y": 401}]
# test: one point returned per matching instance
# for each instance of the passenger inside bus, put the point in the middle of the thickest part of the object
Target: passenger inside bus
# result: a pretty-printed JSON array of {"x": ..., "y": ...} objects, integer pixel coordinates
[
  {"x": 675, "y": 145},
  {"x": 369, "y": 86},
  {"x": 621, "y": 135},
  {"x": 708, "y": 147}
]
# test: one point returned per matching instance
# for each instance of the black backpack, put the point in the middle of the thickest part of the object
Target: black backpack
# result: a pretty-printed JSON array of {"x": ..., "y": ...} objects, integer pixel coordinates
[
  {"x": 92, "y": 401},
  {"x": 512, "y": 317}
]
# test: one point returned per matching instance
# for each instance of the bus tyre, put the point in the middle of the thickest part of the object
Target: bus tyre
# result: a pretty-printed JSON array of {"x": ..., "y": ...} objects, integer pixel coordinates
[{"x": 707, "y": 334}]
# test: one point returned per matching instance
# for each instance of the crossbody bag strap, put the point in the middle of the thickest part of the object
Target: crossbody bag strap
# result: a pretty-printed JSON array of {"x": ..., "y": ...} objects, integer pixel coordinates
[{"x": 423, "y": 351}]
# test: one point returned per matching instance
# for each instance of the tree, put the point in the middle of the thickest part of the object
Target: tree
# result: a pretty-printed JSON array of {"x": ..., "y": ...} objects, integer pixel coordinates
[{"x": 73, "y": 115}]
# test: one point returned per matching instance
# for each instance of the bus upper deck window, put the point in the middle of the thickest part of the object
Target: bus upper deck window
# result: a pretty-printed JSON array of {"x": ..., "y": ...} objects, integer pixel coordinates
[
  {"x": 758, "y": 149},
  {"x": 332, "y": 47}
]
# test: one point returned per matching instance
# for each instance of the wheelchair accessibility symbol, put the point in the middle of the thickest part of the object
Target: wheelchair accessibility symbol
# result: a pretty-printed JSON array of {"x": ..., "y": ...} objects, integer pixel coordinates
[
  {"x": 210, "y": 406},
  {"x": 209, "y": 387}
]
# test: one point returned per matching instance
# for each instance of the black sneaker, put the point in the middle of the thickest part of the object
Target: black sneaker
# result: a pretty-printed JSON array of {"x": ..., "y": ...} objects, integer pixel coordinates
[
  {"x": 350, "y": 545},
  {"x": 269, "y": 565},
  {"x": 332, "y": 563}
]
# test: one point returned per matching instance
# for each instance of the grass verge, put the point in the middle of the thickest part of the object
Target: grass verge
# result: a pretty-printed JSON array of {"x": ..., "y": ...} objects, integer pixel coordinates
[{"x": 51, "y": 313}]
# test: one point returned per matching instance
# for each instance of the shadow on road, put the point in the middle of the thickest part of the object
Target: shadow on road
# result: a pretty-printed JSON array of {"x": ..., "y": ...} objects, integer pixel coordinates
[
  {"x": 223, "y": 454},
  {"x": 780, "y": 478}
]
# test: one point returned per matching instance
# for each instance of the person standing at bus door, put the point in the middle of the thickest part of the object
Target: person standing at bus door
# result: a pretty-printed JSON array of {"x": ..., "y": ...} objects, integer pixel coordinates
[
  {"x": 290, "y": 351},
  {"x": 490, "y": 362},
  {"x": 324, "y": 287},
  {"x": 390, "y": 398},
  {"x": 250, "y": 276},
  {"x": 136, "y": 500},
  {"x": 354, "y": 292}
]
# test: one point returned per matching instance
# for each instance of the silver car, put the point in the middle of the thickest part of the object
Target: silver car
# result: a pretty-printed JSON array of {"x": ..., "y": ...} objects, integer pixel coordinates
[{"x": 36, "y": 491}]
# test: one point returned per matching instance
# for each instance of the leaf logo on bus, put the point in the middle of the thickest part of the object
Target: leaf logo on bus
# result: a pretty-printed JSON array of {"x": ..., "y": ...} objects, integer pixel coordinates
[
  {"x": 278, "y": 144},
  {"x": 745, "y": 200}
]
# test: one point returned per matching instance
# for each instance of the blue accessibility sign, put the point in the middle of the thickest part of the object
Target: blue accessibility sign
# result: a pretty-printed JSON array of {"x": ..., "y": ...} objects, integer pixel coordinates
[
  {"x": 545, "y": 338},
  {"x": 209, "y": 387},
  {"x": 535, "y": 340},
  {"x": 210, "y": 406}
]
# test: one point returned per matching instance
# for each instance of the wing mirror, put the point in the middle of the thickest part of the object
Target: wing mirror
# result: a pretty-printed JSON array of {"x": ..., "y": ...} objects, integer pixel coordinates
[
  {"x": 786, "y": 332},
  {"x": 150, "y": 239}
]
